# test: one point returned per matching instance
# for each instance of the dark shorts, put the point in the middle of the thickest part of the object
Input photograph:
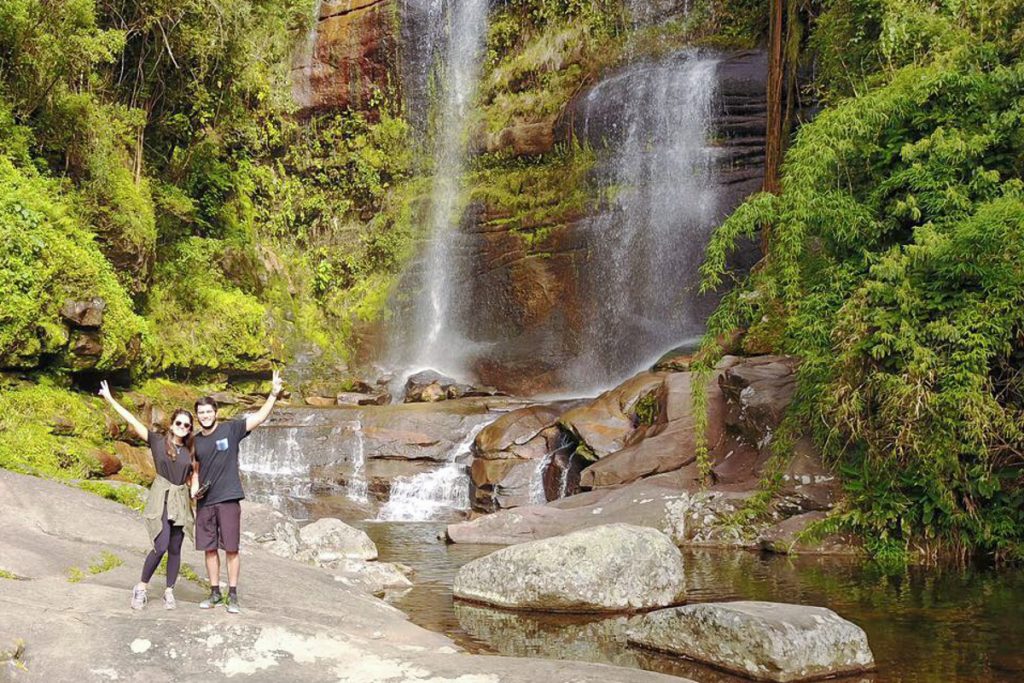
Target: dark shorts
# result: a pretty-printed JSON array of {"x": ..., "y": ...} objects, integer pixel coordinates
[{"x": 219, "y": 526}]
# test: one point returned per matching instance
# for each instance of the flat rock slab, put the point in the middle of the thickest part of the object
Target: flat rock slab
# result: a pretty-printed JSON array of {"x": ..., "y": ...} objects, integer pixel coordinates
[
  {"x": 299, "y": 623},
  {"x": 766, "y": 641},
  {"x": 609, "y": 568}
]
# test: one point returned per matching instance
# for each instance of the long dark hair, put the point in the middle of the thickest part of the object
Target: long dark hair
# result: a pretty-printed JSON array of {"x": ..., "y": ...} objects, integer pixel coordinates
[{"x": 189, "y": 442}]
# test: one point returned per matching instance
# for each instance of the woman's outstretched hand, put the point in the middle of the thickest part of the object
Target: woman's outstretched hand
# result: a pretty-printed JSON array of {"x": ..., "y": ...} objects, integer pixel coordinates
[{"x": 105, "y": 390}]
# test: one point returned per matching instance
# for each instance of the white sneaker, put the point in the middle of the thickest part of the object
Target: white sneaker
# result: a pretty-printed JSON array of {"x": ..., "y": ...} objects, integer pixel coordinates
[
  {"x": 169, "y": 602},
  {"x": 139, "y": 598}
]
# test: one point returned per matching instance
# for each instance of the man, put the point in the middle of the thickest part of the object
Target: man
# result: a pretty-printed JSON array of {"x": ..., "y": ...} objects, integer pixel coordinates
[{"x": 218, "y": 518}]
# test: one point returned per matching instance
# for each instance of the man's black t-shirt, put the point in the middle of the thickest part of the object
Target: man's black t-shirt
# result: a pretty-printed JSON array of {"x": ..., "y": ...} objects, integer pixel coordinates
[
  {"x": 218, "y": 462},
  {"x": 175, "y": 471}
]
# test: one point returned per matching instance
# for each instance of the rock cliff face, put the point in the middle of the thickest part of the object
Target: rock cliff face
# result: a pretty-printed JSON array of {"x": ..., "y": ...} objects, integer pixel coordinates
[
  {"x": 350, "y": 51},
  {"x": 532, "y": 300}
]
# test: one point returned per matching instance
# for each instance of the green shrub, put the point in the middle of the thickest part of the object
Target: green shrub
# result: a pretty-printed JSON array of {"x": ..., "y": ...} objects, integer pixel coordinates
[
  {"x": 28, "y": 444},
  {"x": 894, "y": 270},
  {"x": 199, "y": 320},
  {"x": 48, "y": 258}
]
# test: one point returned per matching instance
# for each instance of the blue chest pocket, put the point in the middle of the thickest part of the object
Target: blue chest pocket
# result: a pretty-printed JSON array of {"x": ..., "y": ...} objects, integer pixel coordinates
[{"x": 222, "y": 444}]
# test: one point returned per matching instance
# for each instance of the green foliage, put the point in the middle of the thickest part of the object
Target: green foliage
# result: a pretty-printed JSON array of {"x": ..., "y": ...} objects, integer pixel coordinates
[
  {"x": 11, "y": 576},
  {"x": 128, "y": 496},
  {"x": 201, "y": 321},
  {"x": 48, "y": 258},
  {"x": 532, "y": 197},
  {"x": 103, "y": 563},
  {"x": 894, "y": 271},
  {"x": 647, "y": 409},
  {"x": 28, "y": 444}
]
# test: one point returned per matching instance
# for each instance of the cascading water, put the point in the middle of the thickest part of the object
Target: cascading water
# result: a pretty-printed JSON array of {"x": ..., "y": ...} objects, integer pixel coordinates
[
  {"x": 645, "y": 251},
  {"x": 432, "y": 495},
  {"x": 433, "y": 339},
  {"x": 357, "y": 484},
  {"x": 302, "y": 61}
]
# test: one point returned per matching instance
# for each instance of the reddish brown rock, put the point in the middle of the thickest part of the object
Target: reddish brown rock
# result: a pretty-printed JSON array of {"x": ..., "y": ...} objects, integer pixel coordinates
[
  {"x": 519, "y": 434},
  {"x": 109, "y": 464},
  {"x": 671, "y": 444},
  {"x": 351, "y": 53},
  {"x": 605, "y": 424},
  {"x": 758, "y": 391},
  {"x": 523, "y": 138},
  {"x": 138, "y": 459},
  {"x": 87, "y": 344}
]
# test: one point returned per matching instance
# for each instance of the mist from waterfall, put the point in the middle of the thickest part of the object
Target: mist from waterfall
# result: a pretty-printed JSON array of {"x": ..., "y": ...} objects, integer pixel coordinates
[
  {"x": 453, "y": 49},
  {"x": 642, "y": 273}
]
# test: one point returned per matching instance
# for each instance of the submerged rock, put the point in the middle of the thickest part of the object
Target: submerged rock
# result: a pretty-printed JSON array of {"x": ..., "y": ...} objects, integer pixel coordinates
[
  {"x": 767, "y": 641},
  {"x": 610, "y": 568}
]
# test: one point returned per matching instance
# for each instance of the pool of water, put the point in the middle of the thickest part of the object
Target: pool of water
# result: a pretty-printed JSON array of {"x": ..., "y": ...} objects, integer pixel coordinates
[{"x": 924, "y": 624}]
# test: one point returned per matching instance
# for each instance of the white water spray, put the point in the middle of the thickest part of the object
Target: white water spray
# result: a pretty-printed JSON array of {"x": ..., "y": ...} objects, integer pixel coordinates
[{"x": 431, "y": 495}]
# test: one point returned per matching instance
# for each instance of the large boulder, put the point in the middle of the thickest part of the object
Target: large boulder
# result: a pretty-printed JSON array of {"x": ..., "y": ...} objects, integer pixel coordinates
[
  {"x": 766, "y": 641},
  {"x": 330, "y": 539},
  {"x": 604, "y": 425},
  {"x": 670, "y": 443},
  {"x": 509, "y": 456},
  {"x": 610, "y": 568},
  {"x": 758, "y": 391},
  {"x": 519, "y": 434},
  {"x": 275, "y": 532}
]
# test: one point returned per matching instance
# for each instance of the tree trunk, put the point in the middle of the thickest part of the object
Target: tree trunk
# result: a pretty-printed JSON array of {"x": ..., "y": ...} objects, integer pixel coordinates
[{"x": 776, "y": 70}]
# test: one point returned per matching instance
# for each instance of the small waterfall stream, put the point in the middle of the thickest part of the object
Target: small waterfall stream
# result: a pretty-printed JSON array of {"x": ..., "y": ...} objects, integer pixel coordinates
[
  {"x": 357, "y": 484},
  {"x": 433, "y": 494}
]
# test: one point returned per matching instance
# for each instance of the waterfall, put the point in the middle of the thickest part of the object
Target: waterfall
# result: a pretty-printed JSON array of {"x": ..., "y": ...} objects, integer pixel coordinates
[
  {"x": 273, "y": 467},
  {"x": 431, "y": 495},
  {"x": 646, "y": 249},
  {"x": 357, "y": 484},
  {"x": 537, "y": 494},
  {"x": 302, "y": 61},
  {"x": 433, "y": 338}
]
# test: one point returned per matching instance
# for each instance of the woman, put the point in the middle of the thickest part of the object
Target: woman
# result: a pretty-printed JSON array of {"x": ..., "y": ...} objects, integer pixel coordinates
[{"x": 168, "y": 514}]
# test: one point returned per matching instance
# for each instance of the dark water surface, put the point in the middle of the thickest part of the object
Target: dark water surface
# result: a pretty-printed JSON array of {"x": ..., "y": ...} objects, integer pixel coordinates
[{"x": 934, "y": 624}]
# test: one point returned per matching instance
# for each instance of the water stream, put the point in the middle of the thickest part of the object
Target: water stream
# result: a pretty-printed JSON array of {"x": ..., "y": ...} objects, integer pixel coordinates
[
  {"x": 654, "y": 121},
  {"x": 924, "y": 624},
  {"x": 436, "y": 494},
  {"x": 433, "y": 337}
]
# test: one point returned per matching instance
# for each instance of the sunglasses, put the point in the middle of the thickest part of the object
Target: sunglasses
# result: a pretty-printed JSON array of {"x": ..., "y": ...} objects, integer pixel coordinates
[{"x": 179, "y": 423}]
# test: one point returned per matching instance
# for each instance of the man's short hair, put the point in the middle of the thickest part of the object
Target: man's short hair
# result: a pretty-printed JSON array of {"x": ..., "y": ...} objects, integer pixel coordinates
[{"x": 206, "y": 401}]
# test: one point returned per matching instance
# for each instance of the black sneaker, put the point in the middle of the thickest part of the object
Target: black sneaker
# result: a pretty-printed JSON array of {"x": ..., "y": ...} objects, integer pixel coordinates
[
  {"x": 209, "y": 603},
  {"x": 232, "y": 603}
]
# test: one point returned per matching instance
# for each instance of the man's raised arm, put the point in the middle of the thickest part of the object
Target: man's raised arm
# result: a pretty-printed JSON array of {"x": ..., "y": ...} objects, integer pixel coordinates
[{"x": 259, "y": 417}]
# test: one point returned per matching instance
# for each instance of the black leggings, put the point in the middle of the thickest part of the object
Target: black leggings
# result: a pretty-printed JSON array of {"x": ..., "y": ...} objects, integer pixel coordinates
[{"x": 167, "y": 541}]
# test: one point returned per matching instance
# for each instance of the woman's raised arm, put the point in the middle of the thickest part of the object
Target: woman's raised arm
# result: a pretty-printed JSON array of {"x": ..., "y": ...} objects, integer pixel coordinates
[{"x": 133, "y": 421}]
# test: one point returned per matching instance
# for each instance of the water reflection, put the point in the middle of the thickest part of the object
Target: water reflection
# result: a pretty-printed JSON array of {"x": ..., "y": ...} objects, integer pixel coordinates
[{"x": 924, "y": 625}]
